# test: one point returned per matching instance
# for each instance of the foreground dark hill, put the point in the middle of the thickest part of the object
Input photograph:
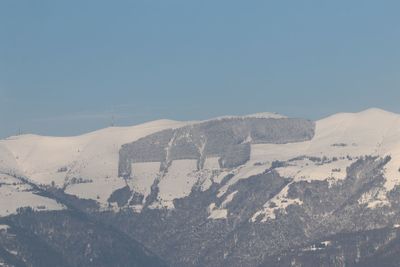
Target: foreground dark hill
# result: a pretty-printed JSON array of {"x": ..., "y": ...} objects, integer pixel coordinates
[{"x": 68, "y": 238}]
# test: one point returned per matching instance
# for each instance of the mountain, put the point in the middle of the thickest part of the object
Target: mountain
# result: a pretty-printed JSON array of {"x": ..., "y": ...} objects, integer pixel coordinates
[{"x": 256, "y": 190}]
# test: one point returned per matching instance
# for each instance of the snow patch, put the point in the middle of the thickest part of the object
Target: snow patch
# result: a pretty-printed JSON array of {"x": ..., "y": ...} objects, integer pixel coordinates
[
  {"x": 221, "y": 212},
  {"x": 99, "y": 190},
  {"x": 177, "y": 182},
  {"x": 308, "y": 170},
  {"x": 144, "y": 175},
  {"x": 278, "y": 203},
  {"x": 12, "y": 197},
  {"x": 211, "y": 163},
  {"x": 228, "y": 199},
  {"x": 243, "y": 172},
  {"x": 374, "y": 199},
  {"x": 217, "y": 214}
]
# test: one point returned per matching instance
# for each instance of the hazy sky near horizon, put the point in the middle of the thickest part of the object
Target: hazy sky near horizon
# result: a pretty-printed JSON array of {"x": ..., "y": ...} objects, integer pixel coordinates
[{"x": 66, "y": 67}]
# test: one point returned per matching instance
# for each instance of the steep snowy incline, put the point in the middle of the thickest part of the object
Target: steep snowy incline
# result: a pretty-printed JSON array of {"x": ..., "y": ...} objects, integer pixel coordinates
[
  {"x": 339, "y": 141},
  {"x": 8, "y": 163},
  {"x": 14, "y": 193},
  {"x": 344, "y": 135}
]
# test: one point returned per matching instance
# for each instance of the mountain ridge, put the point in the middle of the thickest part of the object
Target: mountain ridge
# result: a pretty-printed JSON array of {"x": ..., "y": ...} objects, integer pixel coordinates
[{"x": 230, "y": 191}]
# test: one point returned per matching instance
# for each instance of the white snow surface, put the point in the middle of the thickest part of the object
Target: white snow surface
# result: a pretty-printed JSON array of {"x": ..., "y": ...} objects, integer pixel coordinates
[
  {"x": 211, "y": 163},
  {"x": 92, "y": 157},
  {"x": 15, "y": 194},
  {"x": 177, "y": 182},
  {"x": 278, "y": 203},
  {"x": 243, "y": 172},
  {"x": 221, "y": 212},
  {"x": 144, "y": 175},
  {"x": 216, "y": 213}
]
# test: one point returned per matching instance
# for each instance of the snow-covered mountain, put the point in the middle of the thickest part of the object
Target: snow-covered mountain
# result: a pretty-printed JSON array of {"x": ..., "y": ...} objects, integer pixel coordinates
[
  {"x": 87, "y": 165},
  {"x": 92, "y": 159},
  {"x": 226, "y": 191}
]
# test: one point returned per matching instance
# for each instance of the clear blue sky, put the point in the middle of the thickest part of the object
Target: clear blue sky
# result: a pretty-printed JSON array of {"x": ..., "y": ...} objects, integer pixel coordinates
[{"x": 66, "y": 66}]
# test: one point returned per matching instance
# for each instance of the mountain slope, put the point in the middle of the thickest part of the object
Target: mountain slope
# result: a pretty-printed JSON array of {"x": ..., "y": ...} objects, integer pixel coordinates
[
  {"x": 62, "y": 161},
  {"x": 230, "y": 191},
  {"x": 68, "y": 238}
]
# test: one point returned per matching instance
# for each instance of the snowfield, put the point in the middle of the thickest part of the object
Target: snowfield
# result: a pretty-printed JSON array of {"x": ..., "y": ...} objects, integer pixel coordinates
[
  {"x": 14, "y": 194},
  {"x": 145, "y": 173},
  {"x": 93, "y": 157},
  {"x": 177, "y": 182}
]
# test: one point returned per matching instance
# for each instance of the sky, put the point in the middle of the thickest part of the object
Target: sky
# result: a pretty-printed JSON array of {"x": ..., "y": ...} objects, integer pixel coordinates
[{"x": 68, "y": 67}]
